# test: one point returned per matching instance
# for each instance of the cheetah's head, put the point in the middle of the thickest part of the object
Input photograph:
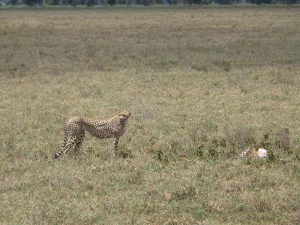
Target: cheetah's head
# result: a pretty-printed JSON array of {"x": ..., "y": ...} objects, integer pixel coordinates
[{"x": 124, "y": 116}]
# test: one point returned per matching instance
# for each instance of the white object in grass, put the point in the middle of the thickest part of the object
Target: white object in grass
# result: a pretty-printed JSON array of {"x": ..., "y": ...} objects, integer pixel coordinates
[
  {"x": 256, "y": 153},
  {"x": 262, "y": 153}
]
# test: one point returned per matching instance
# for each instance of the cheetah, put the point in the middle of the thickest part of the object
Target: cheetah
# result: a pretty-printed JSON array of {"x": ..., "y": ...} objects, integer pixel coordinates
[{"x": 74, "y": 131}]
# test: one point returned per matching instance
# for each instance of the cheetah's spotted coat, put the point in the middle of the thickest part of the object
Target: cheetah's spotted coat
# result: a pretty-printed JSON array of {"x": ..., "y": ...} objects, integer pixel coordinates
[{"x": 75, "y": 128}]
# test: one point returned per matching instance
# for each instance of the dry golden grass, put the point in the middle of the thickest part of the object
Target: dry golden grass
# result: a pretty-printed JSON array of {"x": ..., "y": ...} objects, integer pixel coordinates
[{"x": 202, "y": 84}]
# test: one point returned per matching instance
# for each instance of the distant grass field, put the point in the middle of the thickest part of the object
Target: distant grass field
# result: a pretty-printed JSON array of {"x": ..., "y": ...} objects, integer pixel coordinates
[{"x": 202, "y": 84}]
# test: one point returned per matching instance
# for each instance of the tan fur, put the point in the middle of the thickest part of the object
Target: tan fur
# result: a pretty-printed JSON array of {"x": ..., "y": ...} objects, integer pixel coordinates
[{"x": 75, "y": 128}]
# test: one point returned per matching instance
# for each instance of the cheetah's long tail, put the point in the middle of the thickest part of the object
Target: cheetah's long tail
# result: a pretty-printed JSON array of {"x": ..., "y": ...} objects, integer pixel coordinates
[
  {"x": 57, "y": 154},
  {"x": 61, "y": 151},
  {"x": 65, "y": 136}
]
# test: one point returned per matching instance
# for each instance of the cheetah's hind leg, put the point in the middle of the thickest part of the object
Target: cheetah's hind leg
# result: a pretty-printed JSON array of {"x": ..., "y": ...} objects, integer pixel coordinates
[
  {"x": 77, "y": 147},
  {"x": 78, "y": 141}
]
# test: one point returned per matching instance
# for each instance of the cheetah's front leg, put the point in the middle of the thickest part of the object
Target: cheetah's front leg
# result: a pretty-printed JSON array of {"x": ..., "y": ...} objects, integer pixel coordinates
[{"x": 116, "y": 142}]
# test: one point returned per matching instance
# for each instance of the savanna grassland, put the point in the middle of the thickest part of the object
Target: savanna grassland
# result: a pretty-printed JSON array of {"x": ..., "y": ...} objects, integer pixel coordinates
[{"x": 202, "y": 84}]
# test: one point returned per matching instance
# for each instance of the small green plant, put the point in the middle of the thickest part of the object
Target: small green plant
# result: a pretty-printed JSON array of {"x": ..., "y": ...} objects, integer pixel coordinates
[
  {"x": 266, "y": 141},
  {"x": 200, "y": 151},
  {"x": 271, "y": 156},
  {"x": 212, "y": 152},
  {"x": 159, "y": 155}
]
